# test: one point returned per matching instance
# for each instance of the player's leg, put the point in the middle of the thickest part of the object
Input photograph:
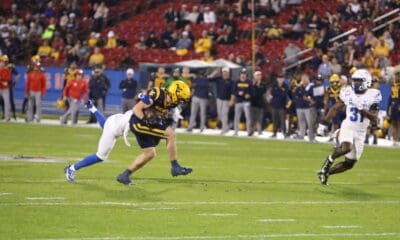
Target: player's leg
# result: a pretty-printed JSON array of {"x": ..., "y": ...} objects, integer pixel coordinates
[
  {"x": 238, "y": 113},
  {"x": 106, "y": 144},
  {"x": 38, "y": 103},
  {"x": 101, "y": 119},
  {"x": 30, "y": 110},
  {"x": 176, "y": 169},
  {"x": 395, "y": 132},
  {"x": 141, "y": 160},
  {"x": 224, "y": 116},
  {"x": 346, "y": 138},
  {"x": 203, "y": 113},
  {"x": 342, "y": 166},
  {"x": 247, "y": 116},
  {"x": 351, "y": 157},
  {"x": 194, "y": 109}
]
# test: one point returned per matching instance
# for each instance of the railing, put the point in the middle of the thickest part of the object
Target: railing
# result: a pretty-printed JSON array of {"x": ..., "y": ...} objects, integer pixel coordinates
[{"x": 397, "y": 10}]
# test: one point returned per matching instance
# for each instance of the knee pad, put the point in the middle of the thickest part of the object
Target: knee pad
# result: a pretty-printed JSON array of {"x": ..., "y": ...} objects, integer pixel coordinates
[{"x": 349, "y": 163}]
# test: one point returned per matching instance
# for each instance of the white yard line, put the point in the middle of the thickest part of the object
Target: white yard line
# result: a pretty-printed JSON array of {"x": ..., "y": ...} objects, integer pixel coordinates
[
  {"x": 260, "y": 236},
  {"x": 344, "y": 226},
  {"x": 45, "y": 198},
  {"x": 157, "y": 209},
  {"x": 218, "y": 214},
  {"x": 276, "y": 220},
  {"x": 5, "y": 193},
  {"x": 139, "y": 204},
  {"x": 203, "y": 143}
]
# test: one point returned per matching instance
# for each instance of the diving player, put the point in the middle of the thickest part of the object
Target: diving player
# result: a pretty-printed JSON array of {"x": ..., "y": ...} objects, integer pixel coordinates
[
  {"x": 362, "y": 106},
  {"x": 114, "y": 126},
  {"x": 151, "y": 122}
]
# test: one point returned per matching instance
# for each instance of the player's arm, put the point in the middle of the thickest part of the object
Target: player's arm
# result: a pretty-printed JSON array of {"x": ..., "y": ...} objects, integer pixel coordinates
[
  {"x": 323, "y": 125},
  {"x": 333, "y": 111},
  {"x": 139, "y": 108},
  {"x": 371, "y": 113}
]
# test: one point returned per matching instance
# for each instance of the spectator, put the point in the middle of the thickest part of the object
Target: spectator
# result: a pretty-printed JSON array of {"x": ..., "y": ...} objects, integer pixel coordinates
[
  {"x": 224, "y": 91},
  {"x": 274, "y": 32},
  {"x": 127, "y": 61},
  {"x": 204, "y": 43},
  {"x": 258, "y": 91},
  {"x": 291, "y": 53},
  {"x": 49, "y": 32},
  {"x": 280, "y": 94},
  {"x": 240, "y": 98},
  {"x": 152, "y": 40},
  {"x": 75, "y": 92},
  {"x": 228, "y": 37},
  {"x": 141, "y": 44},
  {"x": 158, "y": 78},
  {"x": 381, "y": 52},
  {"x": 325, "y": 68},
  {"x": 50, "y": 11},
  {"x": 305, "y": 108},
  {"x": 230, "y": 22},
  {"x": 166, "y": 38},
  {"x": 5, "y": 80},
  {"x": 35, "y": 91},
  {"x": 99, "y": 84},
  {"x": 112, "y": 41},
  {"x": 336, "y": 67},
  {"x": 92, "y": 41},
  {"x": 44, "y": 50},
  {"x": 209, "y": 16},
  {"x": 199, "y": 102},
  {"x": 184, "y": 44},
  {"x": 128, "y": 87},
  {"x": 207, "y": 57},
  {"x": 97, "y": 58},
  {"x": 193, "y": 17},
  {"x": 100, "y": 17}
]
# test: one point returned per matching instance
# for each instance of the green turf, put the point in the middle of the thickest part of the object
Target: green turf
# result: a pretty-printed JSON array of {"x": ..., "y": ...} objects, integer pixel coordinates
[{"x": 241, "y": 188}]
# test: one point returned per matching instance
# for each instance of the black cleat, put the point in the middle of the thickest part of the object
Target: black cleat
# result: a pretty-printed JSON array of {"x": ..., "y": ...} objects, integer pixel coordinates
[
  {"x": 323, "y": 178},
  {"x": 124, "y": 179},
  {"x": 176, "y": 171}
]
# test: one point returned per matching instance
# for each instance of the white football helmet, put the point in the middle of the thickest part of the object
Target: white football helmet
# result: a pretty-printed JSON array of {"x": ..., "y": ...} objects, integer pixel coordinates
[{"x": 361, "y": 80}]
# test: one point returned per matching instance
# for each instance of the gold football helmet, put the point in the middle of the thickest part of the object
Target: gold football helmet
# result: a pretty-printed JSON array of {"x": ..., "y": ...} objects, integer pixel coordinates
[{"x": 179, "y": 92}]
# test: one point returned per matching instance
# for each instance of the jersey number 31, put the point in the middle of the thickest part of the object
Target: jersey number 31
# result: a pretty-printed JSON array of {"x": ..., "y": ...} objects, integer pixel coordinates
[{"x": 354, "y": 115}]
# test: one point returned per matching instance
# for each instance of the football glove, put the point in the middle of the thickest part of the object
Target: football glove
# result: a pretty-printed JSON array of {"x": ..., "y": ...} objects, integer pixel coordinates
[{"x": 322, "y": 128}]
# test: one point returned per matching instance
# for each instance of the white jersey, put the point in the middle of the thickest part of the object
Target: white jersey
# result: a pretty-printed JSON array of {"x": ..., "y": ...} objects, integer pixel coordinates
[
  {"x": 114, "y": 127},
  {"x": 353, "y": 118},
  {"x": 117, "y": 123}
]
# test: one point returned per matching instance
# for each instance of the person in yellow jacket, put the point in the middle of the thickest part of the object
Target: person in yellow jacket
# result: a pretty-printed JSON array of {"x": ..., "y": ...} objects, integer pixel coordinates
[{"x": 204, "y": 43}]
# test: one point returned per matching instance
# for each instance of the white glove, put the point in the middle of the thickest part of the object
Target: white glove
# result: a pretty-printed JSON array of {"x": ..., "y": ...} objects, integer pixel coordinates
[
  {"x": 177, "y": 114},
  {"x": 322, "y": 129},
  {"x": 126, "y": 131}
]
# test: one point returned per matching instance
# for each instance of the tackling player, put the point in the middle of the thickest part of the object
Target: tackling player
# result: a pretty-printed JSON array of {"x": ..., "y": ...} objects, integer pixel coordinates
[
  {"x": 362, "y": 106},
  {"x": 114, "y": 126},
  {"x": 151, "y": 122}
]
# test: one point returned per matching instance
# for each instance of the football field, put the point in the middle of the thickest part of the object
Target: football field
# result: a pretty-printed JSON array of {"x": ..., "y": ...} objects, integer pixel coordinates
[{"x": 240, "y": 188}]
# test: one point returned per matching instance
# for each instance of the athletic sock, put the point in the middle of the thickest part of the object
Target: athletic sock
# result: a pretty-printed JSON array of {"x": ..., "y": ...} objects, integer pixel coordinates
[
  {"x": 87, "y": 161},
  {"x": 127, "y": 172},
  {"x": 327, "y": 164},
  {"x": 174, "y": 163},
  {"x": 99, "y": 117}
]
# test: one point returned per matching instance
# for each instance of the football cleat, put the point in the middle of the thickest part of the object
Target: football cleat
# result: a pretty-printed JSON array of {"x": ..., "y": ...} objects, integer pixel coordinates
[
  {"x": 323, "y": 178},
  {"x": 124, "y": 179},
  {"x": 176, "y": 171},
  {"x": 69, "y": 174},
  {"x": 89, "y": 104}
]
